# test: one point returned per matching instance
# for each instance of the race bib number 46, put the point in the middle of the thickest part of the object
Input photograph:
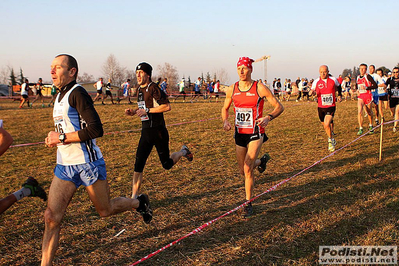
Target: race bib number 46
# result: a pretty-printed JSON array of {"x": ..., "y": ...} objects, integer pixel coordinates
[
  {"x": 327, "y": 99},
  {"x": 59, "y": 124},
  {"x": 244, "y": 118}
]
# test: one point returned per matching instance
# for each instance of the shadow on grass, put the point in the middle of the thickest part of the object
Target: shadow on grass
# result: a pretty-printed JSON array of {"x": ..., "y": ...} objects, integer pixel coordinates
[{"x": 315, "y": 197}]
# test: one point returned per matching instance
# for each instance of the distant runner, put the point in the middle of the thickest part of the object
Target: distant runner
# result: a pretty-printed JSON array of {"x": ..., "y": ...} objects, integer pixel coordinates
[
  {"x": 325, "y": 88},
  {"x": 364, "y": 84}
]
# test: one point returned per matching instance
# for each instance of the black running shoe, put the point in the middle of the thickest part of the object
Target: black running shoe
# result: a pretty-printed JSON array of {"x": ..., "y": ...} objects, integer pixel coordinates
[
  {"x": 188, "y": 155},
  {"x": 35, "y": 189},
  {"x": 145, "y": 208},
  {"x": 263, "y": 161},
  {"x": 248, "y": 210}
]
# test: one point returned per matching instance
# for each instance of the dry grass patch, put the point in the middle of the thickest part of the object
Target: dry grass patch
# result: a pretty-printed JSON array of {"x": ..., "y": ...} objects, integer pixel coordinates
[{"x": 349, "y": 199}]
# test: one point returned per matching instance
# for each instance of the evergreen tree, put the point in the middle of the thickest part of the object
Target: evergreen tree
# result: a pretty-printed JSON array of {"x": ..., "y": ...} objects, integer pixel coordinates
[
  {"x": 208, "y": 77},
  {"x": 13, "y": 79},
  {"x": 21, "y": 76}
]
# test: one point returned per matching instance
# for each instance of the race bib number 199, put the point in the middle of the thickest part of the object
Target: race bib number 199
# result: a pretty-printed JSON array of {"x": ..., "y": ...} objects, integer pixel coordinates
[
  {"x": 362, "y": 88},
  {"x": 244, "y": 118}
]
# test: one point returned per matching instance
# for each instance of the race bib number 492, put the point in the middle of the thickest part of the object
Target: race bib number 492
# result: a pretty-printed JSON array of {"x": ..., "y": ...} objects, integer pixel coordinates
[{"x": 244, "y": 118}]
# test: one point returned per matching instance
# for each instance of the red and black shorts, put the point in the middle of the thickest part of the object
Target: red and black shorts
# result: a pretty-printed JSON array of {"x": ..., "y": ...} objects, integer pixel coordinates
[
  {"x": 325, "y": 111},
  {"x": 244, "y": 139}
]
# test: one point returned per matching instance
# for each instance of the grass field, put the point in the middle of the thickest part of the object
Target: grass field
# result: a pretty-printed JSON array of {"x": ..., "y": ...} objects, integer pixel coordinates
[{"x": 349, "y": 199}]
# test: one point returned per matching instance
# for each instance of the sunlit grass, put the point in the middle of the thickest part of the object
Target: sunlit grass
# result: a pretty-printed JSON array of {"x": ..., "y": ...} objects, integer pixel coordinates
[{"x": 349, "y": 199}]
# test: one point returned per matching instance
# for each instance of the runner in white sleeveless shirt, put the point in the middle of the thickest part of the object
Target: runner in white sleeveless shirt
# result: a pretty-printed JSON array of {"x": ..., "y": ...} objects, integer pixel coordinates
[{"x": 79, "y": 160}]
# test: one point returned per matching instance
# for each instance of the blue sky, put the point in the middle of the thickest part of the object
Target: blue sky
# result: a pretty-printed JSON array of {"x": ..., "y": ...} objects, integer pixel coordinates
[{"x": 200, "y": 36}]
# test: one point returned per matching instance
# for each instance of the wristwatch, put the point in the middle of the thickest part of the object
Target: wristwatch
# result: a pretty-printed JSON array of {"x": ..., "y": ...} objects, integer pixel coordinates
[
  {"x": 62, "y": 137},
  {"x": 147, "y": 110}
]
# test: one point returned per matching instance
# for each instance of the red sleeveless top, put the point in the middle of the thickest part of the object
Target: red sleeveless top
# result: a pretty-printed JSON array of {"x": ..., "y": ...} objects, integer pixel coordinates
[
  {"x": 362, "y": 84},
  {"x": 248, "y": 107}
]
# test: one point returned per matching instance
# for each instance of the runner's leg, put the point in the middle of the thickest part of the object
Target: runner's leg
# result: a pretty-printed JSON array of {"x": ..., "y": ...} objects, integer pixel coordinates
[
  {"x": 100, "y": 196},
  {"x": 60, "y": 195}
]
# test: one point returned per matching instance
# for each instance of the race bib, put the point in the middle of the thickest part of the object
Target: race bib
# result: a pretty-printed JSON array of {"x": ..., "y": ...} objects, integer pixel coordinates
[
  {"x": 141, "y": 105},
  {"x": 59, "y": 124},
  {"x": 362, "y": 88},
  {"x": 327, "y": 99},
  {"x": 244, "y": 118},
  {"x": 381, "y": 90},
  {"x": 395, "y": 93}
]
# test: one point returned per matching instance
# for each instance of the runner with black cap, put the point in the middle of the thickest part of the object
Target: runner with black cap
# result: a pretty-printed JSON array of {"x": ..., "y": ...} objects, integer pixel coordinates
[{"x": 152, "y": 103}]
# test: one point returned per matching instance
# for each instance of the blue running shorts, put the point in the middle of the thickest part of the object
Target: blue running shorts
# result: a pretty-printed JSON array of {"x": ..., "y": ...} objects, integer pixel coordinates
[{"x": 82, "y": 174}]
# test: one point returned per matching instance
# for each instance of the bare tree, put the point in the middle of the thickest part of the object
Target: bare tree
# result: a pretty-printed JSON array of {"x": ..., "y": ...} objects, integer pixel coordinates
[
  {"x": 85, "y": 78},
  {"x": 222, "y": 75},
  {"x": 112, "y": 70},
  {"x": 5, "y": 75},
  {"x": 170, "y": 72}
]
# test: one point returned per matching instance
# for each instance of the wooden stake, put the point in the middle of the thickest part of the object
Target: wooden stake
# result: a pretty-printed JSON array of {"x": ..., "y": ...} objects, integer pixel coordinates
[{"x": 382, "y": 129}]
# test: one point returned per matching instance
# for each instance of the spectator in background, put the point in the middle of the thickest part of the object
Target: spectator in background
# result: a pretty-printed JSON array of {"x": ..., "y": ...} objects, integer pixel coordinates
[
  {"x": 181, "y": 86},
  {"x": 125, "y": 92},
  {"x": 24, "y": 94},
  {"x": 108, "y": 92},
  {"x": 53, "y": 95},
  {"x": 288, "y": 90},
  {"x": 277, "y": 89},
  {"x": 39, "y": 94},
  {"x": 197, "y": 89},
  {"x": 164, "y": 86},
  {"x": 300, "y": 88},
  {"x": 305, "y": 89},
  {"x": 99, "y": 87}
]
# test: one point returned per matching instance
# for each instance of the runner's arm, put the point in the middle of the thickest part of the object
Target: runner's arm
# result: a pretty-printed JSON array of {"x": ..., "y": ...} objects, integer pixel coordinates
[
  {"x": 278, "y": 107},
  {"x": 5, "y": 140},
  {"x": 381, "y": 83},
  {"x": 225, "y": 109},
  {"x": 160, "y": 108},
  {"x": 373, "y": 84}
]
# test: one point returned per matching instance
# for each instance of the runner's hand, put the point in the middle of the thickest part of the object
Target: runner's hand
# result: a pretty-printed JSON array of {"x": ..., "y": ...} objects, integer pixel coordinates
[
  {"x": 52, "y": 139},
  {"x": 226, "y": 125},
  {"x": 129, "y": 111},
  {"x": 263, "y": 121},
  {"x": 141, "y": 112}
]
